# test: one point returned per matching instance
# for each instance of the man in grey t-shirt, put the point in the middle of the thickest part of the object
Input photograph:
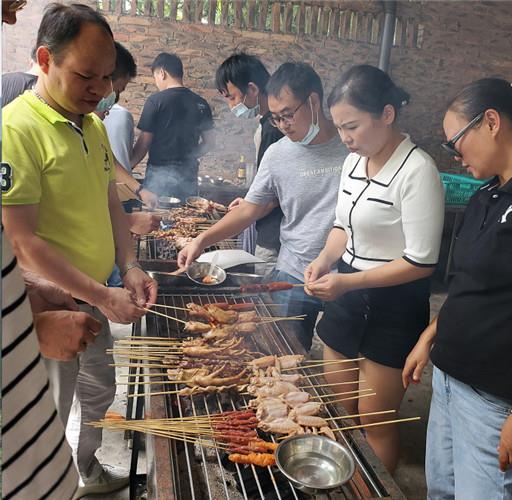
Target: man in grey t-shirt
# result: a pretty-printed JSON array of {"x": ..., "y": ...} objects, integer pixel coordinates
[{"x": 301, "y": 173}]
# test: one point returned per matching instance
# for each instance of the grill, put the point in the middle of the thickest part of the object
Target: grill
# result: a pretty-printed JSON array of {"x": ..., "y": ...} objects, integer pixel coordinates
[{"x": 185, "y": 471}]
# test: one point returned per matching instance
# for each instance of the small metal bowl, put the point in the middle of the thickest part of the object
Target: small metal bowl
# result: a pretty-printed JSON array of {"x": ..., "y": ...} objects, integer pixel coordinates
[
  {"x": 199, "y": 270},
  {"x": 168, "y": 202},
  {"x": 314, "y": 464}
]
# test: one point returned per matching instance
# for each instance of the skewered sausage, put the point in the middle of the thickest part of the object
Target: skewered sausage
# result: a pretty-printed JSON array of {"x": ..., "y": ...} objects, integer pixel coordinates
[{"x": 259, "y": 459}]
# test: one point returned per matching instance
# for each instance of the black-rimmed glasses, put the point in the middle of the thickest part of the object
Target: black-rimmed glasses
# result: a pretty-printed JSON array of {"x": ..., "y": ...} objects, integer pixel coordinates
[
  {"x": 288, "y": 118},
  {"x": 449, "y": 146}
]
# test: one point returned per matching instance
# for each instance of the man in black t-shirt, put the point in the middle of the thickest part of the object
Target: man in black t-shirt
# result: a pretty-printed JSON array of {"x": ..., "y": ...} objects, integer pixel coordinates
[
  {"x": 241, "y": 79},
  {"x": 14, "y": 84},
  {"x": 176, "y": 128}
]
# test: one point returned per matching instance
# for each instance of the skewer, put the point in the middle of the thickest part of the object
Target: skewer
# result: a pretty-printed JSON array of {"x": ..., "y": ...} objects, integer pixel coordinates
[
  {"x": 321, "y": 362},
  {"x": 357, "y": 391},
  {"x": 358, "y": 415},
  {"x": 335, "y": 371},
  {"x": 385, "y": 422},
  {"x": 163, "y": 315}
]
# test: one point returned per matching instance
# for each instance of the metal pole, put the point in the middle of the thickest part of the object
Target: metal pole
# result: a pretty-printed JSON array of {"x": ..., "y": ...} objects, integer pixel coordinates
[{"x": 387, "y": 34}]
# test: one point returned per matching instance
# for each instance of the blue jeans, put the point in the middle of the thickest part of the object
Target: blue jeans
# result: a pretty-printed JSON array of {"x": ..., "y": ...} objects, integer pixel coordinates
[
  {"x": 463, "y": 433},
  {"x": 295, "y": 302}
]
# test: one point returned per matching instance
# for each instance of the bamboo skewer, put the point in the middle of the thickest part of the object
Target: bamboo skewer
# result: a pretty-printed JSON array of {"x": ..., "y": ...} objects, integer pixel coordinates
[
  {"x": 163, "y": 315},
  {"x": 357, "y": 391},
  {"x": 321, "y": 362},
  {"x": 358, "y": 415},
  {"x": 374, "y": 424}
]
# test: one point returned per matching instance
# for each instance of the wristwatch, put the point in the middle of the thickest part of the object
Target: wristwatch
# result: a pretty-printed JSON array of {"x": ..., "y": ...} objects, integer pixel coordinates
[{"x": 130, "y": 265}]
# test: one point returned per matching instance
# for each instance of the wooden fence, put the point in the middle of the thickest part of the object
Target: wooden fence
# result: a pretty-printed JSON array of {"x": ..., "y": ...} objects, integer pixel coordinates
[{"x": 334, "y": 19}]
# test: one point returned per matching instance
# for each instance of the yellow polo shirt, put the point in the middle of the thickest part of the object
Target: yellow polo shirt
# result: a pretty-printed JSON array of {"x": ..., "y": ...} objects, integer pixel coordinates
[{"x": 48, "y": 161}]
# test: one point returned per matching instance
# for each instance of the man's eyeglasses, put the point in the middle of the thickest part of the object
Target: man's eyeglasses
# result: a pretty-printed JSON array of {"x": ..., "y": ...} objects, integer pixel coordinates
[
  {"x": 16, "y": 5},
  {"x": 288, "y": 118},
  {"x": 449, "y": 146}
]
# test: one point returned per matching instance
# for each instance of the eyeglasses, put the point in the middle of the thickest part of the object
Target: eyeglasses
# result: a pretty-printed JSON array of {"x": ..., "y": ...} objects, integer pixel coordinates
[
  {"x": 449, "y": 146},
  {"x": 288, "y": 118},
  {"x": 16, "y": 5}
]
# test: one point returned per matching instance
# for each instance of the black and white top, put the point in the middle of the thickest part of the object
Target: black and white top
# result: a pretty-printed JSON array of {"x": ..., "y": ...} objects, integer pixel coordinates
[
  {"x": 397, "y": 213},
  {"x": 37, "y": 460}
]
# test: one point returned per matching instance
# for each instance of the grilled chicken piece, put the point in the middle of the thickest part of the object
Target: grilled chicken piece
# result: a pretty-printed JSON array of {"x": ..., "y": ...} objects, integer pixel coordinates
[
  {"x": 260, "y": 381},
  {"x": 281, "y": 426},
  {"x": 221, "y": 316},
  {"x": 198, "y": 311},
  {"x": 327, "y": 431},
  {"x": 268, "y": 411},
  {"x": 291, "y": 360},
  {"x": 293, "y": 399},
  {"x": 213, "y": 379},
  {"x": 245, "y": 328},
  {"x": 254, "y": 403},
  {"x": 196, "y": 327},
  {"x": 248, "y": 317},
  {"x": 264, "y": 362},
  {"x": 275, "y": 389},
  {"x": 220, "y": 332},
  {"x": 311, "y": 421},
  {"x": 304, "y": 409},
  {"x": 211, "y": 389}
]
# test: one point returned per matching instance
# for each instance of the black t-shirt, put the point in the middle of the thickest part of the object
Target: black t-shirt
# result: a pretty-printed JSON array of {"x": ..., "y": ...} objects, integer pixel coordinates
[
  {"x": 269, "y": 227},
  {"x": 176, "y": 117},
  {"x": 14, "y": 84},
  {"x": 474, "y": 328}
]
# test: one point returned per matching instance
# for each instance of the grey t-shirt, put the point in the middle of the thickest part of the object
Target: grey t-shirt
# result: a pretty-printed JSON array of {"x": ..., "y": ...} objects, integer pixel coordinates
[
  {"x": 304, "y": 180},
  {"x": 119, "y": 124}
]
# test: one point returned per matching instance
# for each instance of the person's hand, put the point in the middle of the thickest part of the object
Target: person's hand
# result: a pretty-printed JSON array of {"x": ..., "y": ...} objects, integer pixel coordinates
[
  {"x": 142, "y": 287},
  {"x": 235, "y": 203},
  {"x": 63, "y": 334},
  {"x": 505, "y": 446},
  {"x": 316, "y": 269},
  {"x": 144, "y": 222},
  {"x": 190, "y": 253},
  {"x": 45, "y": 295},
  {"x": 416, "y": 362},
  {"x": 119, "y": 305},
  {"x": 148, "y": 198},
  {"x": 328, "y": 287}
]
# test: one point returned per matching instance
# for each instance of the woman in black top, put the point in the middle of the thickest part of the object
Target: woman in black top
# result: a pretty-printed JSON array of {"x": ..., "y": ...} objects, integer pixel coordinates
[{"x": 469, "y": 438}]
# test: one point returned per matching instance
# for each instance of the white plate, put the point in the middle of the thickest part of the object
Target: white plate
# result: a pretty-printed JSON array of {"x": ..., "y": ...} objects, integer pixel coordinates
[{"x": 230, "y": 258}]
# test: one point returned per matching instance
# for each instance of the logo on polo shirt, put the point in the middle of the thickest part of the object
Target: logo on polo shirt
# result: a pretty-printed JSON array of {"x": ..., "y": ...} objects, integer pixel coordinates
[
  {"x": 5, "y": 177},
  {"x": 106, "y": 159},
  {"x": 505, "y": 215}
]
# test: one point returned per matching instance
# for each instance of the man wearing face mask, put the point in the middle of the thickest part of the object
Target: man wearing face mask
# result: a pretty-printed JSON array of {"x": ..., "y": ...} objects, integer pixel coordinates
[
  {"x": 176, "y": 128},
  {"x": 299, "y": 173},
  {"x": 241, "y": 79}
]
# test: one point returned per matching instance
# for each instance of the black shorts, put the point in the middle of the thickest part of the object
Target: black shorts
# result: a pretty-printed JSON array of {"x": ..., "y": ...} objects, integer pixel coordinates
[{"x": 381, "y": 324}]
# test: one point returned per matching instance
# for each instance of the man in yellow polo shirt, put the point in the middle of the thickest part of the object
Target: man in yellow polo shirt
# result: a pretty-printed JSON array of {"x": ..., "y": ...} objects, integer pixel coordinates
[{"x": 63, "y": 217}]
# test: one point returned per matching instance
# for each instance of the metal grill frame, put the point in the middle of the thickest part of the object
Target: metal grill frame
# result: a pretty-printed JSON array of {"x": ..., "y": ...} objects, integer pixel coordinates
[{"x": 165, "y": 456}]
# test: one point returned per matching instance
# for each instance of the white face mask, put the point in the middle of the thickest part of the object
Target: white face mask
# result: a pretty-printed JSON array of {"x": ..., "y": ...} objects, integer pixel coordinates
[
  {"x": 313, "y": 131},
  {"x": 242, "y": 111},
  {"x": 107, "y": 102}
]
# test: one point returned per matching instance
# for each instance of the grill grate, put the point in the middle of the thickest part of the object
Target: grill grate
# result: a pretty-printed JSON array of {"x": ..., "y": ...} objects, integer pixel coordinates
[{"x": 206, "y": 473}]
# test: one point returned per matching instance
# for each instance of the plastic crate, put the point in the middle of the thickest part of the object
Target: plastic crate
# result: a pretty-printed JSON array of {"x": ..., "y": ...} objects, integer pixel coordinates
[{"x": 459, "y": 188}]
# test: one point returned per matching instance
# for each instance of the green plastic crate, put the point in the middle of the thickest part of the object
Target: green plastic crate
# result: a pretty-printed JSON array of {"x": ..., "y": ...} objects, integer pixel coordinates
[{"x": 459, "y": 188}]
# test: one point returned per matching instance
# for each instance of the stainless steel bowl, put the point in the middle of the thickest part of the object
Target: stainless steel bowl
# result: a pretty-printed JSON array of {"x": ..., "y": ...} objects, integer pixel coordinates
[
  {"x": 314, "y": 464},
  {"x": 245, "y": 278},
  {"x": 168, "y": 202},
  {"x": 199, "y": 270}
]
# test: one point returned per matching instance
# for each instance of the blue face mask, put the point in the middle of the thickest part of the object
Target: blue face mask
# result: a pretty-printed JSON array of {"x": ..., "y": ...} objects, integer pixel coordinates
[
  {"x": 106, "y": 103},
  {"x": 242, "y": 111},
  {"x": 313, "y": 131}
]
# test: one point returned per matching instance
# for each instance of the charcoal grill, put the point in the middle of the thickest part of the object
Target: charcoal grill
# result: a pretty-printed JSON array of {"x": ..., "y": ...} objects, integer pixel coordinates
[{"x": 184, "y": 471}]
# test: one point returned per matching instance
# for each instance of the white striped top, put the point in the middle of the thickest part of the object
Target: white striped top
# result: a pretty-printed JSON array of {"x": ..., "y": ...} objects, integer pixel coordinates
[{"x": 37, "y": 460}]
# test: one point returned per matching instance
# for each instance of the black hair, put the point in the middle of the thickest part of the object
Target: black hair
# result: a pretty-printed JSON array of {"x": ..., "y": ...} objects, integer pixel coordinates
[
  {"x": 240, "y": 69},
  {"x": 301, "y": 78},
  {"x": 125, "y": 63},
  {"x": 487, "y": 93},
  {"x": 33, "y": 54},
  {"x": 168, "y": 62},
  {"x": 61, "y": 24},
  {"x": 369, "y": 89}
]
